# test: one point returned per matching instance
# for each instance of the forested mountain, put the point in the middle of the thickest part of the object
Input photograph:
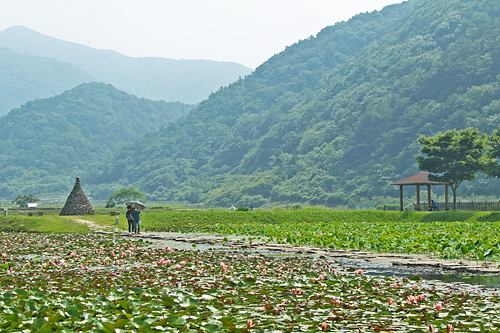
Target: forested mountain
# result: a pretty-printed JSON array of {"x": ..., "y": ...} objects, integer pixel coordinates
[
  {"x": 186, "y": 81},
  {"x": 332, "y": 119},
  {"x": 48, "y": 140},
  {"x": 24, "y": 78}
]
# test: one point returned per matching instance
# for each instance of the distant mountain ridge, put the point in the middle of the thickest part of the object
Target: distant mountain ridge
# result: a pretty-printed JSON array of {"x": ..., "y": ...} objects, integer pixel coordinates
[
  {"x": 24, "y": 78},
  {"x": 186, "y": 81},
  {"x": 48, "y": 140}
]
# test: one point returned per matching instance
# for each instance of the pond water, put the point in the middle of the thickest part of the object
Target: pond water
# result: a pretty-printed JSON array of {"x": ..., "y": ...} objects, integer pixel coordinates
[{"x": 426, "y": 273}]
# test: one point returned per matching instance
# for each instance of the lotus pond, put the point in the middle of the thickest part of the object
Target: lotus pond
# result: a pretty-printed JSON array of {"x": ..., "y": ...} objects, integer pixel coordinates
[{"x": 97, "y": 283}]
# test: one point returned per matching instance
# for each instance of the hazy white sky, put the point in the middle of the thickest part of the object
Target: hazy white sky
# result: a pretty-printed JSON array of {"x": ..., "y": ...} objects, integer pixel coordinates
[{"x": 244, "y": 31}]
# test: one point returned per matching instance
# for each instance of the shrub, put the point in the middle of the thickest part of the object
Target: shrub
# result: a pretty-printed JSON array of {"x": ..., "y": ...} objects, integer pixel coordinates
[
  {"x": 388, "y": 207},
  {"x": 242, "y": 209}
]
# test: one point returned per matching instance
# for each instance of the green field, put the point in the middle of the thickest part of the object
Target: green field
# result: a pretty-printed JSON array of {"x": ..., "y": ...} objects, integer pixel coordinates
[{"x": 448, "y": 235}]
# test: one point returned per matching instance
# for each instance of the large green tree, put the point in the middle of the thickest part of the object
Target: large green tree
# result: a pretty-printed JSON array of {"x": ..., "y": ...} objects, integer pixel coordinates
[
  {"x": 23, "y": 200},
  {"x": 452, "y": 157},
  {"x": 124, "y": 195},
  {"x": 491, "y": 162}
]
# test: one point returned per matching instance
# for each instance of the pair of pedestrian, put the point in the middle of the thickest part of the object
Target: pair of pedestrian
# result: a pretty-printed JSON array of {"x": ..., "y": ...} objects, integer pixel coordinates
[{"x": 134, "y": 220}]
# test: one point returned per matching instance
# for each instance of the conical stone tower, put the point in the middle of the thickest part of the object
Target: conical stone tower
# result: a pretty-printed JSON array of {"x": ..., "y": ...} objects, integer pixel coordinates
[{"x": 77, "y": 203}]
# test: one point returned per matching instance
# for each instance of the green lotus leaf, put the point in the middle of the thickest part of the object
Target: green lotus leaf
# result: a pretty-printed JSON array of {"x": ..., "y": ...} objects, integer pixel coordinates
[
  {"x": 120, "y": 323},
  {"x": 108, "y": 326},
  {"x": 73, "y": 312},
  {"x": 228, "y": 322},
  {"x": 162, "y": 322},
  {"x": 249, "y": 280},
  {"x": 21, "y": 292},
  {"x": 55, "y": 318},
  {"x": 188, "y": 302},
  {"x": 174, "y": 320},
  {"x": 47, "y": 329},
  {"x": 125, "y": 306},
  {"x": 211, "y": 328},
  {"x": 168, "y": 300},
  {"x": 138, "y": 290},
  {"x": 38, "y": 323}
]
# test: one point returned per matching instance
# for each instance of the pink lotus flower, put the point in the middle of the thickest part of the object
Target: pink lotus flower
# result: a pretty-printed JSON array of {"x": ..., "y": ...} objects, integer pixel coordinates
[
  {"x": 323, "y": 326},
  {"x": 359, "y": 271},
  {"x": 250, "y": 323},
  {"x": 421, "y": 297},
  {"x": 411, "y": 299},
  {"x": 321, "y": 277},
  {"x": 431, "y": 328},
  {"x": 449, "y": 328},
  {"x": 391, "y": 301},
  {"x": 439, "y": 306}
]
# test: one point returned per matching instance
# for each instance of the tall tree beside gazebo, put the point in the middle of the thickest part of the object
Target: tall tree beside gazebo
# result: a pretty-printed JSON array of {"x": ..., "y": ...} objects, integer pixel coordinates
[{"x": 452, "y": 157}]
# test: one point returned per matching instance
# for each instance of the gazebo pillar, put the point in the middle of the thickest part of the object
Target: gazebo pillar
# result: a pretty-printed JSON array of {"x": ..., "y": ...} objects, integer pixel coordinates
[
  {"x": 401, "y": 197},
  {"x": 418, "y": 197}
]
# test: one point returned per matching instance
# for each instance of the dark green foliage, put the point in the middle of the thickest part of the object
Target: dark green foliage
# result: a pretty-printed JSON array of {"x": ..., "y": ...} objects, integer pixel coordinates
[
  {"x": 452, "y": 157},
  {"x": 394, "y": 207},
  {"x": 491, "y": 164},
  {"x": 333, "y": 119},
  {"x": 23, "y": 200},
  {"x": 242, "y": 209},
  {"x": 123, "y": 196},
  {"x": 47, "y": 140}
]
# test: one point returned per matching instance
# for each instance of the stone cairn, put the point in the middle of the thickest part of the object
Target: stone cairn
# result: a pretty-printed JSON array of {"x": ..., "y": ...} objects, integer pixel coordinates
[{"x": 77, "y": 202}]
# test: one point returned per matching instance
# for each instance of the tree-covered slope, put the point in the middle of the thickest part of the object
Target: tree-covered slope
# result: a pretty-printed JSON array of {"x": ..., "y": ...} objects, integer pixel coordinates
[
  {"x": 186, "y": 81},
  {"x": 24, "y": 78},
  {"x": 232, "y": 133},
  {"x": 335, "y": 118},
  {"x": 46, "y": 140}
]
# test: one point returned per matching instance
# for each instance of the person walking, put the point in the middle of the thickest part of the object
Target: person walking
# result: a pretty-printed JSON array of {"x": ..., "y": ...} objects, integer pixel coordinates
[
  {"x": 136, "y": 215},
  {"x": 130, "y": 220}
]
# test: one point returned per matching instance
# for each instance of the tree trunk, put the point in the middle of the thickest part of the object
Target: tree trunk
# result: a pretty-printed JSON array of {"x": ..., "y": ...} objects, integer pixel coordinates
[{"x": 454, "y": 189}]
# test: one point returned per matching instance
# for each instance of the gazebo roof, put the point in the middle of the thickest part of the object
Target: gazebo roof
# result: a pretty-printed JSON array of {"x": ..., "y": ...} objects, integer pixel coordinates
[{"x": 418, "y": 179}]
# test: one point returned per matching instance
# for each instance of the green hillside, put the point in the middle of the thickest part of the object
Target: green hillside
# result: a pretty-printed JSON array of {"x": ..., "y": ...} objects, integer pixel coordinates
[
  {"x": 24, "y": 78},
  {"x": 186, "y": 81},
  {"x": 335, "y": 118},
  {"x": 48, "y": 140}
]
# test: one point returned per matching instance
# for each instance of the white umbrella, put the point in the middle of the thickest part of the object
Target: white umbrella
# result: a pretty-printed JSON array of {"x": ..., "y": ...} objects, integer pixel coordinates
[{"x": 136, "y": 204}]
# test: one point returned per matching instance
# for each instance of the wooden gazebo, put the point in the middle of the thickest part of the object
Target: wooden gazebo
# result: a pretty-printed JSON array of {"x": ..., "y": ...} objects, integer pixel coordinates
[{"x": 418, "y": 180}]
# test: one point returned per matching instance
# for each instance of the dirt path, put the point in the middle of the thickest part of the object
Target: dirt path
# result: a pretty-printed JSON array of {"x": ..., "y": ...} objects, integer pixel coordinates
[{"x": 95, "y": 227}]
